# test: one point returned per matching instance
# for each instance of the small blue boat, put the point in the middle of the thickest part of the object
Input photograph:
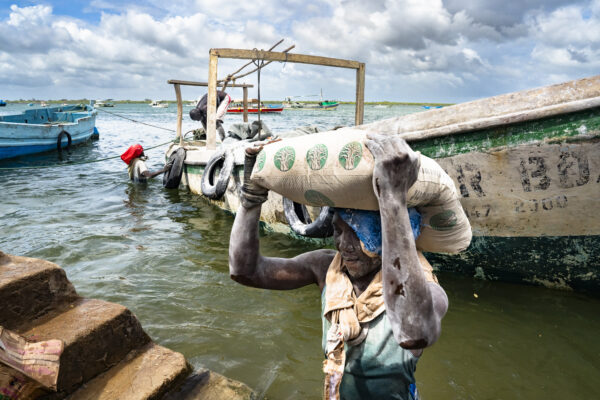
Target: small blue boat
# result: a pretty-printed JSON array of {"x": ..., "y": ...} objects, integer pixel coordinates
[
  {"x": 43, "y": 129},
  {"x": 2, "y": 103}
]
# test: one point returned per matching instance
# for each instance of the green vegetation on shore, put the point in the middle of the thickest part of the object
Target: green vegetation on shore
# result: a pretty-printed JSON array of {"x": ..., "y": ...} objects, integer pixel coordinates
[{"x": 147, "y": 101}]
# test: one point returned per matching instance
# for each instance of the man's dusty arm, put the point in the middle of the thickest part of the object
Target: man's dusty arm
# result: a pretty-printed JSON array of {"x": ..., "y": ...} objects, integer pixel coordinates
[
  {"x": 248, "y": 267},
  {"x": 414, "y": 306}
]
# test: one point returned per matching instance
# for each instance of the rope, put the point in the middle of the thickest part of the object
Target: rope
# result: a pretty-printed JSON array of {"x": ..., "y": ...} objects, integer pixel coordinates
[
  {"x": 133, "y": 120},
  {"x": 259, "y": 64},
  {"x": 82, "y": 162}
]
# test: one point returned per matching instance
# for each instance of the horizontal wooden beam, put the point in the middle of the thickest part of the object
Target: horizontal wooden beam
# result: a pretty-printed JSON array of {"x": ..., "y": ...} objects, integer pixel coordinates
[
  {"x": 285, "y": 57},
  {"x": 191, "y": 83}
]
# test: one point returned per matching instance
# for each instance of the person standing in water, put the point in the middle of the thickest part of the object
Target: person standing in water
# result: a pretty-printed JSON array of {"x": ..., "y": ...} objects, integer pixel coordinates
[
  {"x": 135, "y": 159},
  {"x": 381, "y": 303},
  {"x": 200, "y": 112}
]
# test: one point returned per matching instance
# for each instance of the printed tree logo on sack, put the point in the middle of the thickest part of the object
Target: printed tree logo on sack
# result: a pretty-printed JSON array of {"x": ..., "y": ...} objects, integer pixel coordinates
[
  {"x": 350, "y": 155},
  {"x": 284, "y": 158},
  {"x": 316, "y": 156},
  {"x": 260, "y": 160}
]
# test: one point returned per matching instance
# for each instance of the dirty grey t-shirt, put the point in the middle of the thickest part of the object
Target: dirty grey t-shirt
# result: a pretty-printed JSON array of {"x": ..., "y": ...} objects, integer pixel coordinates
[{"x": 135, "y": 169}]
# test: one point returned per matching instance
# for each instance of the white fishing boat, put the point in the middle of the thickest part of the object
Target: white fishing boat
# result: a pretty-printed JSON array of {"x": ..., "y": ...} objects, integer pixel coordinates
[
  {"x": 526, "y": 165},
  {"x": 104, "y": 103},
  {"x": 158, "y": 104}
]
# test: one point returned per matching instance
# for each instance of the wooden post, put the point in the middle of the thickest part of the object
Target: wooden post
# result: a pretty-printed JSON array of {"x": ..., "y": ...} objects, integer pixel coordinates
[
  {"x": 179, "y": 113},
  {"x": 360, "y": 95},
  {"x": 211, "y": 122},
  {"x": 245, "y": 102}
]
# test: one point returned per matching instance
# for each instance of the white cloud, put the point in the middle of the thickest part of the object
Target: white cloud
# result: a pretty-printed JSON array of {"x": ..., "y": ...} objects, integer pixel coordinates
[{"x": 434, "y": 50}]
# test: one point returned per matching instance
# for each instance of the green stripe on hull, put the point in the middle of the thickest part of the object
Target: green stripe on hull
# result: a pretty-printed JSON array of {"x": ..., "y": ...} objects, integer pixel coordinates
[
  {"x": 560, "y": 128},
  {"x": 558, "y": 262}
]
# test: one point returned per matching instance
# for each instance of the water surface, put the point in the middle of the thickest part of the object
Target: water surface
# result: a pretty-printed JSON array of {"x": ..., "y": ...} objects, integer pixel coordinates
[{"x": 163, "y": 254}]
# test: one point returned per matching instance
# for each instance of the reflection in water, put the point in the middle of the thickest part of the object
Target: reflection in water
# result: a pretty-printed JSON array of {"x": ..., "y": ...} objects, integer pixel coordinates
[{"x": 163, "y": 254}]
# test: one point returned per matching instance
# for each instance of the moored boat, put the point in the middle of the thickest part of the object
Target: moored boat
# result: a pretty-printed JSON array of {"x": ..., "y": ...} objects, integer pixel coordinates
[
  {"x": 237, "y": 107},
  {"x": 104, "y": 103},
  {"x": 158, "y": 104},
  {"x": 37, "y": 130},
  {"x": 2, "y": 103},
  {"x": 527, "y": 166}
]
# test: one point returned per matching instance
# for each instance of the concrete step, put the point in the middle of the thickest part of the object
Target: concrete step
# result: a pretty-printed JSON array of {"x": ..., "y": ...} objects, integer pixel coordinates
[
  {"x": 207, "y": 385},
  {"x": 97, "y": 335},
  {"x": 142, "y": 375},
  {"x": 29, "y": 288}
]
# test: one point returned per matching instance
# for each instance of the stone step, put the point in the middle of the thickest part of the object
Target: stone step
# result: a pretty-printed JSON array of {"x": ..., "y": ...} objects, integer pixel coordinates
[
  {"x": 29, "y": 288},
  {"x": 142, "y": 375},
  {"x": 207, "y": 385},
  {"x": 97, "y": 335}
]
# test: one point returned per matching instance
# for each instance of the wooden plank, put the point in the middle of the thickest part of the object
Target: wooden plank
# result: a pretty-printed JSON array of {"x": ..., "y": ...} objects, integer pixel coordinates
[
  {"x": 360, "y": 95},
  {"x": 245, "y": 104},
  {"x": 265, "y": 64},
  {"x": 192, "y": 83},
  {"x": 179, "y": 113},
  {"x": 494, "y": 111},
  {"x": 287, "y": 57},
  {"x": 211, "y": 121},
  {"x": 530, "y": 190}
]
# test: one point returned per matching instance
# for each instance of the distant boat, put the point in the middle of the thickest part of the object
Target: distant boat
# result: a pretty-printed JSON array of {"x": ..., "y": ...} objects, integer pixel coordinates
[
  {"x": 321, "y": 105},
  {"x": 2, "y": 103},
  {"x": 43, "y": 104},
  {"x": 158, "y": 104},
  {"x": 237, "y": 107},
  {"x": 104, "y": 103},
  {"x": 40, "y": 129},
  {"x": 430, "y": 107},
  {"x": 31, "y": 104},
  {"x": 381, "y": 106}
]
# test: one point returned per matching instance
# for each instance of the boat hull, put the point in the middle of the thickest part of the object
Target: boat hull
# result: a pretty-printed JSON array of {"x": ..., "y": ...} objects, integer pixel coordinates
[
  {"x": 255, "y": 110},
  {"x": 25, "y": 133}
]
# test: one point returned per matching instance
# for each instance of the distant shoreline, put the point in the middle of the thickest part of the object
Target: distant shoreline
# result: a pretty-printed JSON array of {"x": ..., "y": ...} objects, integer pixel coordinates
[{"x": 374, "y": 103}]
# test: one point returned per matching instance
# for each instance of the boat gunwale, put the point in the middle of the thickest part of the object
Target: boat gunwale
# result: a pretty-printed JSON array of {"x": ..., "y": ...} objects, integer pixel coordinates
[{"x": 531, "y": 104}]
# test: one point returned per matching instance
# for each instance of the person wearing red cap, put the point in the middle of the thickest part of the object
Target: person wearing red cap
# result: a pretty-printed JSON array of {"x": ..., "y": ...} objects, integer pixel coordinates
[{"x": 135, "y": 159}]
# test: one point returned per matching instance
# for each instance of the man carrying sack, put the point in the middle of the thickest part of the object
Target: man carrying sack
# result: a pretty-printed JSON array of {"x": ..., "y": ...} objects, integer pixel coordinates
[
  {"x": 200, "y": 112},
  {"x": 381, "y": 303}
]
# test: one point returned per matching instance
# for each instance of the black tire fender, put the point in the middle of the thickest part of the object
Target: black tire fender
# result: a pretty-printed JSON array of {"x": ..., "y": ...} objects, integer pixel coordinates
[
  {"x": 215, "y": 188},
  {"x": 299, "y": 221},
  {"x": 172, "y": 177},
  {"x": 59, "y": 141}
]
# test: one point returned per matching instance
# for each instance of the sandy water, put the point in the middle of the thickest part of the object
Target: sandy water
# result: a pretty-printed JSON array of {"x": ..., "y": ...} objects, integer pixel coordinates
[{"x": 163, "y": 254}]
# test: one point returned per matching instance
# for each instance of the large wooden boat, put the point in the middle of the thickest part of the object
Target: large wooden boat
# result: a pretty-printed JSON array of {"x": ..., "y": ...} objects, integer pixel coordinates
[
  {"x": 527, "y": 166},
  {"x": 37, "y": 130}
]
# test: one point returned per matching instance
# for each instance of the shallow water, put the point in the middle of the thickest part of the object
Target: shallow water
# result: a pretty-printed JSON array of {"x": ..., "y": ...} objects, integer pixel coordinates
[{"x": 163, "y": 254}]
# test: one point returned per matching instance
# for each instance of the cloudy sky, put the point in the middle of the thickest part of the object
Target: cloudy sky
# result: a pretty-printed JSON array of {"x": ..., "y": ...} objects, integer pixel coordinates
[{"x": 414, "y": 50}]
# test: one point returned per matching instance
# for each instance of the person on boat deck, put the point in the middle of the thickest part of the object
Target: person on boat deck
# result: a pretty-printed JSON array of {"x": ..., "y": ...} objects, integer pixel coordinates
[
  {"x": 135, "y": 159},
  {"x": 200, "y": 112},
  {"x": 381, "y": 303}
]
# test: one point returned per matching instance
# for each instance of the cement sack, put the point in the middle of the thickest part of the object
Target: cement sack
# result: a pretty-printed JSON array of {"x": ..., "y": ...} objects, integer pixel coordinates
[{"x": 336, "y": 169}]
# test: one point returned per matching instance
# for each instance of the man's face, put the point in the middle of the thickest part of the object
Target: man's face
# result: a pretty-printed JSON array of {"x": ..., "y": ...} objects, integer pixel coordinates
[{"x": 354, "y": 260}]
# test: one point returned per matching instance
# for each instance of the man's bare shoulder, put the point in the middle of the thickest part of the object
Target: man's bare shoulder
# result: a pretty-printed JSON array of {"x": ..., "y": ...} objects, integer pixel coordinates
[
  {"x": 318, "y": 261},
  {"x": 317, "y": 257}
]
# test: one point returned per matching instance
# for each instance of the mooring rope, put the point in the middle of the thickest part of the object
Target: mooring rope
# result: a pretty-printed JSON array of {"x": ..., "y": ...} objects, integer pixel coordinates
[
  {"x": 259, "y": 62},
  {"x": 69, "y": 164},
  {"x": 133, "y": 120}
]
